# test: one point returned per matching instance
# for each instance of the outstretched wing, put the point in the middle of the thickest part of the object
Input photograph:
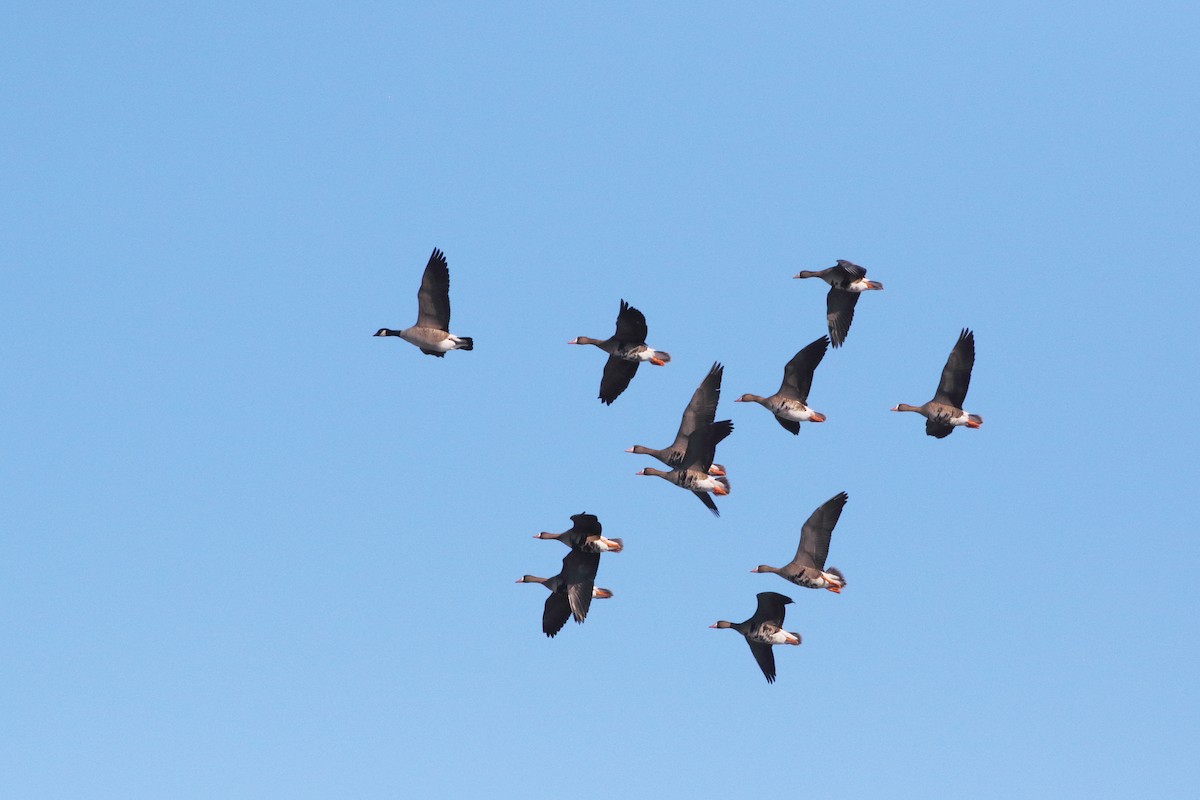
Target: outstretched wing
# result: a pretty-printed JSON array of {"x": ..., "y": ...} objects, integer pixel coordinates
[
  {"x": 789, "y": 425},
  {"x": 433, "y": 298},
  {"x": 937, "y": 429},
  {"x": 631, "y": 325},
  {"x": 839, "y": 313},
  {"x": 702, "y": 408},
  {"x": 849, "y": 271},
  {"x": 815, "y": 535},
  {"x": 702, "y": 445},
  {"x": 765, "y": 656},
  {"x": 708, "y": 502},
  {"x": 770, "y": 610},
  {"x": 579, "y": 572},
  {"x": 956, "y": 375},
  {"x": 617, "y": 374},
  {"x": 798, "y": 373},
  {"x": 586, "y": 524},
  {"x": 556, "y": 613}
]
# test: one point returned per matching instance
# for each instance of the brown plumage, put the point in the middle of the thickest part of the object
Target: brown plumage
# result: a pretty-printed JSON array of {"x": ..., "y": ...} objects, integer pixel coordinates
[
  {"x": 571, "y": 590},
  {"x": 944, "y": 412},
  {"x": 807, "y": 569},
  {"x": 431, "y": 333},
  {"x": 846, "y": 282},
  {"x": 693, "y": 472},
  {"x": 764, "y": 630},
  {"x": 700, "y": 412},
  {"x": 626, "y": 349},
  {"x": 790, "y": 403}
]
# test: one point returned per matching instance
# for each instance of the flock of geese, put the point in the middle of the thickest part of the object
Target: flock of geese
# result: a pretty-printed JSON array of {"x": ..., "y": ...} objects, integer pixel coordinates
[{"x": 690, "y": 457}]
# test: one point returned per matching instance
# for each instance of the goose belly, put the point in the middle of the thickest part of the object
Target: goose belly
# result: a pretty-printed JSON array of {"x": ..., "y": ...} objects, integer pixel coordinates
[
  {"x": 644, "y": 354},
  {"x": 809, "y": 581},
  {"x": 428, "y": 338},
  {"x": 956, "y": 417},
  {"x": 697, "y": 483},
  {"x": 793, "y": 412},
  {"x": 774, "y": 636}
]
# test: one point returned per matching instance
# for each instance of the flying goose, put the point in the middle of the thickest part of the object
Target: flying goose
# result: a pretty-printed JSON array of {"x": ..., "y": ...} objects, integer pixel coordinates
[
  {"x": 945, "y": 412},
  {"x": 692, "y": 473},
  {"x": 764, "y": 629},
  {"x": 700, "y": 412},
  {"x": 431, "y": 333},
  {"x": 807, "y": 569},
  {"x": 626, "y": 349},
  {"x": 571, "y": 590},
  {"x": 846, "y": 281},
  {"x": 584, "y": 535},
  {"x": 790, "y": 403}
]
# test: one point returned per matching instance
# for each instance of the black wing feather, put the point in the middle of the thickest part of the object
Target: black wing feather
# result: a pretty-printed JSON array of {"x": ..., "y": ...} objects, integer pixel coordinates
[
  {"x": 839, "y": 313},
  {"x": 586, "y": 524},
  {"x": 702, "y": 445},
  {"x": 938, "y": 429},
  {"x": 770, "y": 609},
  {"x": 617, "y": 374},
  {"x": 789, "y": 425},
  {"x": 433, "y": 298},
  {"x": 764, "y": 654},
  {"x": 702, "y": 408},
  {"x": 556, "y": 613},
  {"x": 579, "y": 573},
  {"x": 708, "y": 501},
  {"x": 850, "y": 272},
  {"x": 798, "y": 373},
  {"x": 956, "y": 375},
  {"x": 817, "y": 531},
  {"x": 631, "y": 325}
]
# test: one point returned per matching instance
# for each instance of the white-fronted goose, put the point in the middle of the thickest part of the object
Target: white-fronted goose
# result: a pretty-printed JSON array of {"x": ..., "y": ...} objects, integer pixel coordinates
[
  {"x": 585, "y": 534},
  {"x": 692, "y": 473},
  {"x": 764, "y": 630},
  {"x": 432, "y": 331},
  {"x": 701, "y": 411},
  {"x": 807, "y": 569},
  {"x": 571, "y": 590},
  {"x": 945, "y": 412},
  {"x": 846, "y": 281},
  {"x": 626, "y": 349},
  {"x": 790, "y": 403}
]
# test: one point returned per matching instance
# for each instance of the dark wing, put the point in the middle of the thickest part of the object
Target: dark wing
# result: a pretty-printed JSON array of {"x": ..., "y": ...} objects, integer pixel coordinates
[
  {"x": 579, "y": 573},
  {"x": 702, "y": 408},
  {"x": 617, "y": 374},
  {"x": 765, "y": 656},
  {"x": 849, "y": 272},
  {"x": 631, "y": 325},
  {"x": 937, "y": 429},
  {"x": 586, "y": 524},
  {"x": 702, "y": 445},
  {"x": 814, "y": 536},
  {"x": 556, "y": 613},
  {"x": 956, "y": 375},
  {"x": 798, "y": 373},
  {"x": 839, "y": 313},
  {"x": 700, "y": 411},
  {"x": 708, "y": 501},
  {"x": 432, "y": 352},
  {"x": 770, "y": 609},
  {"x": 433, "y": 298},
  {"x": 789, "y": 425}
]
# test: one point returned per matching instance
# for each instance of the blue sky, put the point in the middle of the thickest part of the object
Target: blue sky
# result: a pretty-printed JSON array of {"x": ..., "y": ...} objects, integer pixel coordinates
[{"x": 250, "y": 551}]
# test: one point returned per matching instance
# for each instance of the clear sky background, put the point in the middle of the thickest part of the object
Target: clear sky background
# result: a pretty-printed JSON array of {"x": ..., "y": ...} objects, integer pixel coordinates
[{"x": 250, "y": 551}]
